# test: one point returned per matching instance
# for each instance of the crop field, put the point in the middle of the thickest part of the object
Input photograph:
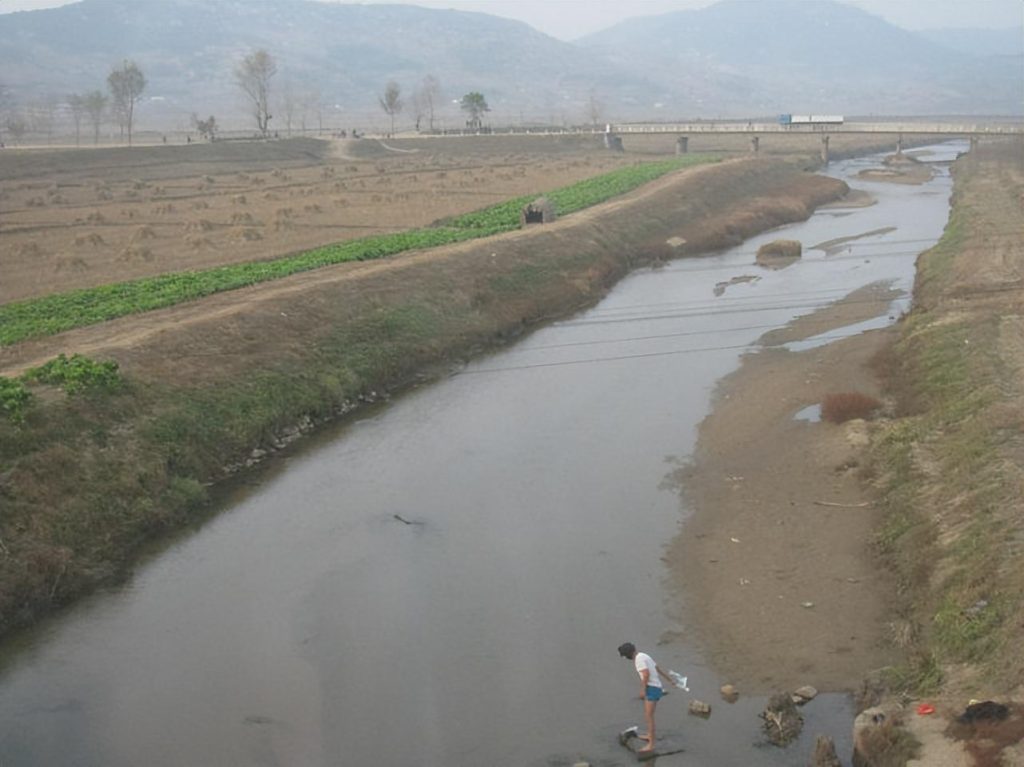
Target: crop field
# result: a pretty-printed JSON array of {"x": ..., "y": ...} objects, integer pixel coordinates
[
  {"x": 73, "y": 219},
  {"x": 68, "y": 223}
]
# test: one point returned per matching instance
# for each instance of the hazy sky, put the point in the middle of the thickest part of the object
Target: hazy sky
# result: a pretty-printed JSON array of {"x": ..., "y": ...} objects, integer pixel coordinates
[{"x": 568, "y": 19}]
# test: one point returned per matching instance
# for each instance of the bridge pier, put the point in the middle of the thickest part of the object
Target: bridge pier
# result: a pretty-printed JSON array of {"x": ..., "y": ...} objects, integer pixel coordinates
[
  {"x": 974, "y": 143},
  {"x": 899, "y": 144},
  {"x": 755, "y": 143},
  {"x": 824, "y": 148},
  {"x": 682, "y": 144}
]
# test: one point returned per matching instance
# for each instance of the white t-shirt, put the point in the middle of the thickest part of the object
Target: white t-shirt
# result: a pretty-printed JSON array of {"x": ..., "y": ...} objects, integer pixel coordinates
[{"x": 644, "y": 661}]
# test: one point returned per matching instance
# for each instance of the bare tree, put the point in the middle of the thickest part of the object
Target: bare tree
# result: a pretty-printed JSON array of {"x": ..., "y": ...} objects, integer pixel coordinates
[
  {"x": 6, "y": 102},
  {"x": 391, "y": 102},
  {"x": 76, "y": 106},
  {"x": 289, "y": 105},
  {"x": 594, "y": 110},
  {"x": 253, "y": 76},
  {"x": 429, "y": 94},
  {"x": 95, "y": 103},
  {"x": 42, "y": 116},
  {"x": 17, "y": 126},
  {"x": 126, "y": 85},
  {"x": 311, "y": 104}
]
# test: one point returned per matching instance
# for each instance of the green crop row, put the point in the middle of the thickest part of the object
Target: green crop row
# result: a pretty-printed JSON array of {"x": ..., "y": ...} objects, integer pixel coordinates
[{"x": 63, "y": 311}]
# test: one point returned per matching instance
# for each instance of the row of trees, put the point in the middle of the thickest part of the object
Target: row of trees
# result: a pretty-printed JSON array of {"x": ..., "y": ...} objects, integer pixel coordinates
[
  {"x": 424, "y": 100},
  {"x": 253, "y": 75}
]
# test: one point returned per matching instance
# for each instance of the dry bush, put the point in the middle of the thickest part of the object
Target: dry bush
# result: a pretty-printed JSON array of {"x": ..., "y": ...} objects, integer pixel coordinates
[
  {"x": 144, "y": 233},
  {"x": 249, "y": 235},
  {"x": 137, "y": 184},
  {"x": 200, "y": 205},
  {"x": 135, "y": 253},
  {"x": 196, "y": 242},
  {"x": 202, "y": 225},
  {"x": 74, "y": 264},
  {"x": 312, "y": 208},
  {"x": 326, "y": 172},
  {"x": 284, "y": 224},
  {"x": 846, "y": 406},
  {"x": 89, "y": 239},
  {"x": 162, "y": 210},
  {"x": 36, "y": 202},
  {"x": 242, "y": 218},
  {"x": 96, "y": 218},
  {"x": 239, "y": 199},
  {"x": 887, "y": 745},
  {"x": 284, "y": 213},
  {"x": 210, "y": 180},
  {"x": 29, "y": 250}
]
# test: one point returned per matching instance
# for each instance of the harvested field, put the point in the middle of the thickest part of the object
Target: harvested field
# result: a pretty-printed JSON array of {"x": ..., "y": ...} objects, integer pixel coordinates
[{"x": 207, "y": 205}]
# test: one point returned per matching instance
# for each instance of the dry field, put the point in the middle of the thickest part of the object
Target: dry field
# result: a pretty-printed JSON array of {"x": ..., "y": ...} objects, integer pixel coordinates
[{"x": 80, "y": 218}]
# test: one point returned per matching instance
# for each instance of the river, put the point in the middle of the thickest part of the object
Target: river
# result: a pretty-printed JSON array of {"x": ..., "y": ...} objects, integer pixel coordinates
[{"x": 444, "y": 581}]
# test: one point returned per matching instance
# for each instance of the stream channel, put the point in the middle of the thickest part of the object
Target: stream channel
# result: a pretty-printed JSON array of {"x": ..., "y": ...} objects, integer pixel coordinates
[{"x": 305, "y": 624}]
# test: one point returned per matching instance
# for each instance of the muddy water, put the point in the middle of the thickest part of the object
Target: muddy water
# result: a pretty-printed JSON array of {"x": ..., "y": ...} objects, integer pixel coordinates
[{"x": 445, "y": 581}]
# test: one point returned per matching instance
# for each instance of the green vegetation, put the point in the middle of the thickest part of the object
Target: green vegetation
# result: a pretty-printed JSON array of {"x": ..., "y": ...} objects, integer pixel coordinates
[
  {"x": 14, "y": 397},
  {"x": 77, "y": 374},
  {"x": 56, "y": 313}
]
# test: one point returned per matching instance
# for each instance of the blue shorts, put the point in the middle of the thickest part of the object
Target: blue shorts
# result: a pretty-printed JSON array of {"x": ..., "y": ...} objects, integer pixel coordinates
[{"x": 653, "y": 693}]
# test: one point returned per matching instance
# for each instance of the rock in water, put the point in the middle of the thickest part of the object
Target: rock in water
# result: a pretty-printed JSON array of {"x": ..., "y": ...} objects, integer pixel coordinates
[
  {"x": 782, "y": 722},
  {"x": 804, "y": 694},
  {"x": 700, "y": 708},
  {"x": 825, "y": 753}
]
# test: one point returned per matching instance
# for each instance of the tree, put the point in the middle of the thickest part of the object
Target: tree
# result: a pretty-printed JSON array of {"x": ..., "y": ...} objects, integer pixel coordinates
[
  {"x": 5, "y": 106},
  {"x": 207, "y": 128},
  {"x": 391, "y": 102},
  {"x": 76, "y": 106},
  {"x": 474, "y": 104},
  {"x": 95, "y": 104},
  {"x": 126, "y": 85},
  {"x": 594, "y": 110},
  {"x": 429, "y": 97},
  {"x": 253, "y": 76},
  {"x": 289, "y": 104}
]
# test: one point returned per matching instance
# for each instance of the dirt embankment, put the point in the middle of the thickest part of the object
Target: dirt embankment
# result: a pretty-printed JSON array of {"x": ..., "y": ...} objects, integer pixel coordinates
[
  {"x": 820, "y": 552},
  {"x": 85, "y": 479}
]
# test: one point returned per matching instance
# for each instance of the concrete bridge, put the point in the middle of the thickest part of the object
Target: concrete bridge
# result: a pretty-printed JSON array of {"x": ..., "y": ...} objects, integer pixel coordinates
[{"x": 824, "y": 129}]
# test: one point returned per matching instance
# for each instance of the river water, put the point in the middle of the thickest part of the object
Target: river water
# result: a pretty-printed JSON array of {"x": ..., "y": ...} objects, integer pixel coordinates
[{"x": 306, "y": 624}]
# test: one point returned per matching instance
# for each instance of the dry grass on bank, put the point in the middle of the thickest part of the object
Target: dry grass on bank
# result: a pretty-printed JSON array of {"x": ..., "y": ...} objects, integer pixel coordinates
[{"x": 952, "y": 466}]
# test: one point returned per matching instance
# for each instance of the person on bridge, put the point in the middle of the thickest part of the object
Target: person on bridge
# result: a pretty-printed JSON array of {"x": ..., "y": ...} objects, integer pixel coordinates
[{"x": 652, "y": 688}]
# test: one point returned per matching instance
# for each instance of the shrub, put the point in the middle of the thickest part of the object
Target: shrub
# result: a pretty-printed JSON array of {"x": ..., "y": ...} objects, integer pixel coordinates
[
  {"x": 13, "y": 398},
  {"x": 77, "y": 374},
  {"x": 846, "y": 406}
]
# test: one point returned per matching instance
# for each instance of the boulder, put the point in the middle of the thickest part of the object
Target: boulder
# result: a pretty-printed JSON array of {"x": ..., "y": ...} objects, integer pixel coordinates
[
  {"x": 779, "y": 253},
  {"x": 804, "y": 694},
  {"x": 729, "y": 693},
  {"x": 700, "y": 708}
]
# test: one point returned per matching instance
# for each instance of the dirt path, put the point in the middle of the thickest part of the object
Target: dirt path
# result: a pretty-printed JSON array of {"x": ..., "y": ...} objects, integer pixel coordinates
[{"x": 775, "y": 565}]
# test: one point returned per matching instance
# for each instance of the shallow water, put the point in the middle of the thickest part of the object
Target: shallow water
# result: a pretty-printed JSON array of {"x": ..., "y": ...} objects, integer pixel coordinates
[{"x": 307, "y": 625}]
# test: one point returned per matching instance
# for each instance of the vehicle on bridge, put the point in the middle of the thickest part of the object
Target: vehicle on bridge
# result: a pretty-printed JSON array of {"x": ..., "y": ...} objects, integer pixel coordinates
[{"x": 810, "y": 119}]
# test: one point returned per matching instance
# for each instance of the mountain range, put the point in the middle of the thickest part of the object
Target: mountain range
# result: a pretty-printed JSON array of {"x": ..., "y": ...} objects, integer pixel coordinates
[{"x": 735, "y": 58}]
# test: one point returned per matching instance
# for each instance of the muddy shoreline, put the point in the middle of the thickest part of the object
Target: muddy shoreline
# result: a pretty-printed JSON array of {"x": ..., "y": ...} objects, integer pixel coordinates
[{"x": 774, "y": 567}]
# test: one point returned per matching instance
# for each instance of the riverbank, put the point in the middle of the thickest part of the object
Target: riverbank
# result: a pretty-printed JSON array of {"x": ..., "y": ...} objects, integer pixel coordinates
[
  {"x": 820, "y": 552},
  {"x": 215, "y": 386}
]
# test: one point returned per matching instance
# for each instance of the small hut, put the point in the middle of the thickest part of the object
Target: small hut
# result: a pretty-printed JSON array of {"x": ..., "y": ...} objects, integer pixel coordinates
[{"x": 540, "y": 211}]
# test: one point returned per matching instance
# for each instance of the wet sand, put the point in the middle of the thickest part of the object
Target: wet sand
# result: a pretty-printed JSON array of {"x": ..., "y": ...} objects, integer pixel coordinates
[{"x": 775, "y": 566}]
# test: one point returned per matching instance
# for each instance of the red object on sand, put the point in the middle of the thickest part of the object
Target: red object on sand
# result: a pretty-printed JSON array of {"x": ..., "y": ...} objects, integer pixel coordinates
[{"x": 925, "y": 708}]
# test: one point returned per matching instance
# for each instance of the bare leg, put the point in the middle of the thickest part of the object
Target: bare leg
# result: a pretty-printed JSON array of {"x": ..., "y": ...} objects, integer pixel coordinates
[{"x": 649, "y": 716}]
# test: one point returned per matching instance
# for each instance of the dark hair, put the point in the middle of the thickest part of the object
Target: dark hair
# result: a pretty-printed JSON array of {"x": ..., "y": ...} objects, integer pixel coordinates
[{"x": 627, "y": 650}]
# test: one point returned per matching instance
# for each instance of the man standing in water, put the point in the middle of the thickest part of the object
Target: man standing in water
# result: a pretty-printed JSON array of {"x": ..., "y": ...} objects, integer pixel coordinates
[{"x": 652, "y": 689}]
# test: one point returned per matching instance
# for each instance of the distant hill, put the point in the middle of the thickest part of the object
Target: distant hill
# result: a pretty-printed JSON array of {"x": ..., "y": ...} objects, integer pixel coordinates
[
  {"x": 979, "y": 42},
  {"x": 814, "y": 56},
  {"x": 732, "y": 59}
]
